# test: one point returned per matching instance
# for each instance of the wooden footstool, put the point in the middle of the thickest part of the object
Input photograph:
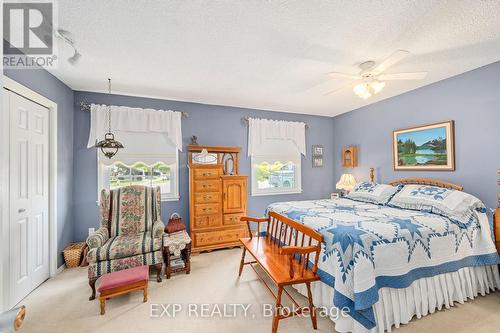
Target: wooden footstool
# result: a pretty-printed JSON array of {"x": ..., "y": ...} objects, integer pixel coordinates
[{"x": 122, "y": 282}]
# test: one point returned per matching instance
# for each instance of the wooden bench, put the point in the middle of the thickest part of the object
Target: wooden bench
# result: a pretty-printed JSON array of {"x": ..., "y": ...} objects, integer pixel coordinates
[{"x": 283, "y": 253}]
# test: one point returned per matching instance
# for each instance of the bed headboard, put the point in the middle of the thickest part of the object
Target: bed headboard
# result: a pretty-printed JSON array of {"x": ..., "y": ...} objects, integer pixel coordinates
[{"x": 426, "y": 181}]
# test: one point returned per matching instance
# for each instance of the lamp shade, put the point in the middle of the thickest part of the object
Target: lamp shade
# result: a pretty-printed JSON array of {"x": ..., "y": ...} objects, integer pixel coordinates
[
  {"x": 369, "y": 88},
  {"x": 346, "y": 182}
]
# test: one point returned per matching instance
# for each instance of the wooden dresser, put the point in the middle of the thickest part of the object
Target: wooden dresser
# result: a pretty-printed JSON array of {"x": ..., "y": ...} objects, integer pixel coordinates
[{"x": 216, "y": 200}]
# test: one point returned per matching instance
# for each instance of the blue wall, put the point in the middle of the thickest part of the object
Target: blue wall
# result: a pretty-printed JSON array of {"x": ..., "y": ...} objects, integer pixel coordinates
[
  {"x": 471, "y": 99},
  {"x": 213, "y": 125},
  {"x": 47, "y": 85}
]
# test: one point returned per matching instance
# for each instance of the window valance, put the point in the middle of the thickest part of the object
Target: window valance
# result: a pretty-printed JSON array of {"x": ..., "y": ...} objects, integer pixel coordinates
[
  {"x": 126, "y": 119},
  {"x": 260, "y": 131}
]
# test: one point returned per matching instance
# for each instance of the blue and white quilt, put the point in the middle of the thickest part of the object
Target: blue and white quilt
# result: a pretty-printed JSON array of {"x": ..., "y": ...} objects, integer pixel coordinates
[{"x": 367, "y": 247}]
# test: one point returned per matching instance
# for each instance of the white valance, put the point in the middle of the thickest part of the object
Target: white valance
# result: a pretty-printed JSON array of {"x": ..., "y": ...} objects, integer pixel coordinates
[
  {"x": 261, "y": 130},
  {"x": 125, "y": 119}
]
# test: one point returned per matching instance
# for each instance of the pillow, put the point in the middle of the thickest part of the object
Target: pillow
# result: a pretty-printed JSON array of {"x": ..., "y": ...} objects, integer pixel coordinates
[
  {"x": 375, "y": 193},
  {"x": 456, "y": 205}
]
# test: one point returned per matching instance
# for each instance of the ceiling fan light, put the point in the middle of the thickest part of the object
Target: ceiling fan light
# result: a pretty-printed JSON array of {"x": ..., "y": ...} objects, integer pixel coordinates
[
  {"x": 377, "y": 86},
  {"x": 362, "y": 90}
]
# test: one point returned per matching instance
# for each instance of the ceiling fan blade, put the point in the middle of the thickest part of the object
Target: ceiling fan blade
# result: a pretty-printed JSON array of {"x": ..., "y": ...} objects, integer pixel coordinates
[
  {"x": 403, "y": 76},
  {"x": 338, "y": 89},
  {"x": 393, "y": 58},
  {"x": 344, "y": 76}
]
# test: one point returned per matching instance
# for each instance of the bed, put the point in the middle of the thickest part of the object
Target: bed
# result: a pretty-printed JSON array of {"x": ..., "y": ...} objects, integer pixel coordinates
[{"x": 381, "y": 265}]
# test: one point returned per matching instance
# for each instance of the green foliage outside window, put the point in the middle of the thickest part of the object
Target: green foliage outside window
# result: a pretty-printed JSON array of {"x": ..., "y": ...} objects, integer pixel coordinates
[
  {"x": 140, "y": 174},
  {"x": 264, "y": 170}
]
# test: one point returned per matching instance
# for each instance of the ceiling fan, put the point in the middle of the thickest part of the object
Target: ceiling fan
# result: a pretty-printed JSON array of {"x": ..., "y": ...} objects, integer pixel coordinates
[
  {"x": 69, "y": 39},
  {"x": 373, "y": 77}
]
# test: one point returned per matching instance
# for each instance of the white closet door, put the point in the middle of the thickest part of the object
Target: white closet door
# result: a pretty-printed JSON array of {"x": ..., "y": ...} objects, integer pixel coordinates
[
  {"x": 39, "y": 185},
  {"x": 29, "y": 196}
]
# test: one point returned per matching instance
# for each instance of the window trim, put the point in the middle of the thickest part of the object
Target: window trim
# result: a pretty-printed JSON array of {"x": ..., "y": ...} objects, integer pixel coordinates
[
  {"x": 165, "y": 197},
  {"x": 297, "y": 189}
]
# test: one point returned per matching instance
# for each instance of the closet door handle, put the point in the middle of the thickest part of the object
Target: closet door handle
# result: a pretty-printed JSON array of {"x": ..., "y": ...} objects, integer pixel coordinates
[{"x": 21, "y": 210}]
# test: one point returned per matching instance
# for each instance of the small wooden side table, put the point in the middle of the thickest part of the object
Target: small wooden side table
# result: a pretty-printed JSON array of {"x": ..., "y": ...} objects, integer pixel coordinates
[{"x": 178, "y": 243}]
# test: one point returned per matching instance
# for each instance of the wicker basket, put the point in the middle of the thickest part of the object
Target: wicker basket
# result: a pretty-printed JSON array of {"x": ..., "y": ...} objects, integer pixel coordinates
[{"x": 73, "y": 254}]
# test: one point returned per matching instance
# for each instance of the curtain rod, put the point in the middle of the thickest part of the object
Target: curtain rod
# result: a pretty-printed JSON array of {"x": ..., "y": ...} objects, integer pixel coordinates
[
  {"x": 84, "y": 106},
  {"x": 245, "y": 120}
]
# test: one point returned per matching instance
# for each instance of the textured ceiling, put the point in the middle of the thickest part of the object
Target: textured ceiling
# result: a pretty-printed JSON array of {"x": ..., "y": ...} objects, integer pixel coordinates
[{"x": 272, "y": 55}]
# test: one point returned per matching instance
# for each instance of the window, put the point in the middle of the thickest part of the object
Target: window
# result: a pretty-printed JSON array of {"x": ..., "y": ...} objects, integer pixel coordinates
[
  {"x": 276, "y": 168},
  {"x": 140, "y": 174},
  {"x": 149, "y": 159}
]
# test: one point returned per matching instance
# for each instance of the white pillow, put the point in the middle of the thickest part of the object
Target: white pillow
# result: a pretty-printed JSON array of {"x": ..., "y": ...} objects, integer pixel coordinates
[
  {"x": 375, "y": 193},
  {"x": 456, "y": 205}
]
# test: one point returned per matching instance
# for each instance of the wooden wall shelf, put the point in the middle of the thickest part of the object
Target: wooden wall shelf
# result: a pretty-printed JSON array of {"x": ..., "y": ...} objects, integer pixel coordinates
[{"x": 349, "y": 157}]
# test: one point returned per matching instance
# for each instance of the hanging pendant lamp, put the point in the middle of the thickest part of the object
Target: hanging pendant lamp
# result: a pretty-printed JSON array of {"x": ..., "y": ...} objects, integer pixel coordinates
[{"x": 109, "y": 146}]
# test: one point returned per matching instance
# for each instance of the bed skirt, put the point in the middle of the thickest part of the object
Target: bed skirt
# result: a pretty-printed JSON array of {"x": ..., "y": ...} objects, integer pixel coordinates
[{"x": 422, "y": 297}]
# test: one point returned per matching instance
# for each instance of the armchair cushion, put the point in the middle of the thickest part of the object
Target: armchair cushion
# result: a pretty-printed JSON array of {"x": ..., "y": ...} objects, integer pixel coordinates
[
  {"x": 158, "y": 229},
  {"x": 98, "y": 238},
  {"x": 125, "y": 246},
  {"x": 97, "y": 269},
  {"x": 134, "y": 210}
]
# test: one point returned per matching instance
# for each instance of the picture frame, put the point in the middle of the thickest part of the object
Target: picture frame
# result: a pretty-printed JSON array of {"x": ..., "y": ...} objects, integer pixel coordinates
[
  {"x": 317, "y": 156},
  {"x": 317, "y": 162},
  {"x": 317, "y": 150},
  {"x": 429, "y": 147}
]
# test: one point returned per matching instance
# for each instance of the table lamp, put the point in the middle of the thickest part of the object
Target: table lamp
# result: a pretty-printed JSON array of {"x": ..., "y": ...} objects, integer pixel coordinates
[{"x": 346, "y": 182}]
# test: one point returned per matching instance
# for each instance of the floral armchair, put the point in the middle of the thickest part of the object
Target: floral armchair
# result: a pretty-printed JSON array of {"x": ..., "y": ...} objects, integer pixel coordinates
[{"x": 130, "y": 234}]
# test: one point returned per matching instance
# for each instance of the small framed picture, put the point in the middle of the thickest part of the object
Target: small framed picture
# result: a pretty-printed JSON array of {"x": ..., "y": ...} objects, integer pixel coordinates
[
  {"x": 317, "y": 162},
  {"x": 317, "y": 156},
  {"x": 317, "y": 150}
]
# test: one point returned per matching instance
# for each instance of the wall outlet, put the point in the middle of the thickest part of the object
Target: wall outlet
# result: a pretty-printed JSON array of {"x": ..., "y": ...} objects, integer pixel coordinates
[{"x": 91, "y": 231}]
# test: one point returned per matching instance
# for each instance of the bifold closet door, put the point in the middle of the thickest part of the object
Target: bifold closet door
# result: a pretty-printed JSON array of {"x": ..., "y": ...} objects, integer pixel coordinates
[{"x": 29, "y": 196}]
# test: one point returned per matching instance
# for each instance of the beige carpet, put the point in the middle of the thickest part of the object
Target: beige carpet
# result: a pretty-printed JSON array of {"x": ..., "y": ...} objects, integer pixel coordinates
[{"x": 61, "y": 305}]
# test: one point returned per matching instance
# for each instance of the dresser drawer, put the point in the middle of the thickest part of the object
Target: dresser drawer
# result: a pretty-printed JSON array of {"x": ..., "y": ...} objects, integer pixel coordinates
[
  {"x": 218, "y": 237},
  {"x": 207, "y": 221},
  {"x": 206, "y": 209},
  {"x": 207, "y": 185},
  {"x": 210, "y": 197},
  {"x": 230, "y": 219},
  {"x": 200, "y": 174}
]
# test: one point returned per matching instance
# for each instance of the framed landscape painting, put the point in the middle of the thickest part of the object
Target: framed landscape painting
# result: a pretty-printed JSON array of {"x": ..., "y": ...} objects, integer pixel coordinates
[{"x": 429, "y": 147}]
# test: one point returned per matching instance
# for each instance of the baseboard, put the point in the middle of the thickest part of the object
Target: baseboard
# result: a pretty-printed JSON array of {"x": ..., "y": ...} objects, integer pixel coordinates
[{"x": 60, "y": 269}]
